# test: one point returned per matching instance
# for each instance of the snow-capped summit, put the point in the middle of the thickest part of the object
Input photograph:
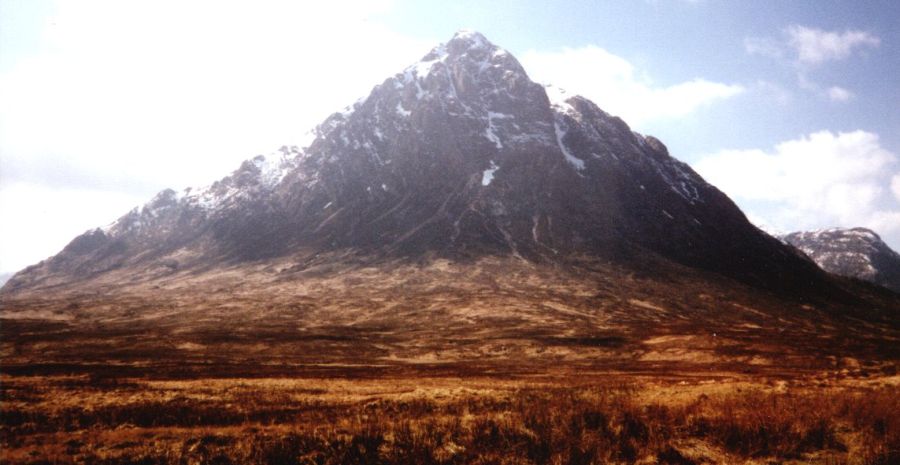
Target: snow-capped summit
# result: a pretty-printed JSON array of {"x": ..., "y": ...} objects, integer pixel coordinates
[
  {"x": 458, "y": 155},
  {"x": 855, "y": 252}
]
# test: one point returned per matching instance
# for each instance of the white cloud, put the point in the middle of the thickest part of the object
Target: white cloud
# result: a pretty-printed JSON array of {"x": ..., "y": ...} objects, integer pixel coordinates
[
  {"x": 123, "y": 99},
  {"x": 180, "y": 92},
  {"x": 839, "y": 94},
  {"x": 820, "y": 180},
  {"x": 616, "y": 86},
  {"x": 39, "y": 221},
  {"x": 811, "y": 46},
  {"x": 814, "y": 46}
]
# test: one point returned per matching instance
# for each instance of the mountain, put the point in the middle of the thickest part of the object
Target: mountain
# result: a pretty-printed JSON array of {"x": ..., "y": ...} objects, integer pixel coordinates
[
  {"x": 458, "y": 156},
  {"x": 459, "y": 219},
  {"x": 857, "y": 253}
]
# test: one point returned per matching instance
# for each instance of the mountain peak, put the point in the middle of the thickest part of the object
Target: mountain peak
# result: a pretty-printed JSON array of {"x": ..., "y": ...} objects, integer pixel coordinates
[
  {"x": 465, "y": 45},
  {"x": 469, "y": 39}
]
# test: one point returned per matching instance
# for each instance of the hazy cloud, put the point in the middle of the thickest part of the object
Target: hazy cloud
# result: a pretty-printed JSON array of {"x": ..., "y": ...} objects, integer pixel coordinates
[
  {"x": 614, "y": 84},
  {"x": 764, "y": 46},
  {"x": 895, "y": 186},
  {"x": 820, "y": 180},
  {"x": 805, "y": 48},
  {"x": 772, "y": 91},
  {"x": 839, "y": 94},
  {"x": 813, "y": 46},
  {"x": 39, "y": 220},
  {"x": 688, "y": 2},
  {"x": 123, "y": 99},
  {"x": 179, "y": 93}
]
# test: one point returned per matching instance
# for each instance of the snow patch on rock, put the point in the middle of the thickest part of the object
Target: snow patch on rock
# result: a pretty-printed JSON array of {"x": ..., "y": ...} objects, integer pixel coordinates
[
  {"x": 488, "y": 175},
  {"x": 576, "y": 162}
]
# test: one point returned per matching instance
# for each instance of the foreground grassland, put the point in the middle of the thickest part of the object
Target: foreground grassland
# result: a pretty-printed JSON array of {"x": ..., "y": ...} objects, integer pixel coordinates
[
  {"x": 498, "y": 361},
  {"x": 557, "y": 418}
]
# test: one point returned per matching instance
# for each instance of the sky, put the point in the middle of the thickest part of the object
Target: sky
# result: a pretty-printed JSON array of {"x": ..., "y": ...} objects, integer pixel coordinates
[{"x": 790, "y": 108}]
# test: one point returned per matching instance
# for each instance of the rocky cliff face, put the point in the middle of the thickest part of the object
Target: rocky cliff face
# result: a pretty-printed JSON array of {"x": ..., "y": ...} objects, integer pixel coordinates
[
  {"x": 459, "y": 155},
  {"x": 857, "y": 253}
]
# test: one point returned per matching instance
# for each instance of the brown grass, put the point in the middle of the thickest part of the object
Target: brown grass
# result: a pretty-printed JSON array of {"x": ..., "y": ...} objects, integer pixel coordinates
[
  {"x": 494, "y": 362},
  {"x": 442, "y": 421}
]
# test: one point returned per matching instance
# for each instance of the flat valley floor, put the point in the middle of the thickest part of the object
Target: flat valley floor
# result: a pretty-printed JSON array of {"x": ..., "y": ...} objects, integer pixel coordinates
[
  {"x": 487, "y": 363},
  {"x": 363, "y": 416}
]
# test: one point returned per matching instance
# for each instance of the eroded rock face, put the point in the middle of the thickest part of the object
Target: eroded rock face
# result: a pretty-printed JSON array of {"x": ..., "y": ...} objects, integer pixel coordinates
[
  {"x": 459, "y": 155},
  {"x": 857, "y": 253}
]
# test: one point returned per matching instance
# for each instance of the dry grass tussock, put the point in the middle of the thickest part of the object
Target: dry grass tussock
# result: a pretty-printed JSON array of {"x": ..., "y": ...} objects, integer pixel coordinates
[
  {"x": 494, "y": 362},
  {"x": 49, "y": 420}
]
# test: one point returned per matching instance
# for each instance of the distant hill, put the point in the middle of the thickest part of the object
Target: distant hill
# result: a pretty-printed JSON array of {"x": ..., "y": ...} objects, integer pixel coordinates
[{"x": 856, "y": 252}]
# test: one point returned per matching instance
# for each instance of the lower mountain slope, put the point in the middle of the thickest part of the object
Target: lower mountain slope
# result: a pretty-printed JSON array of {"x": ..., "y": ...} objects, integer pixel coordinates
[{"x": 495, "y": 313}]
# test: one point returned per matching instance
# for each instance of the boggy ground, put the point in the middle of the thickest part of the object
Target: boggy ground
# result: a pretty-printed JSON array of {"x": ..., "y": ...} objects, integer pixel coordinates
[
  {"x": 574, "y": 418},
  {"x": 497, "y": 361}
]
